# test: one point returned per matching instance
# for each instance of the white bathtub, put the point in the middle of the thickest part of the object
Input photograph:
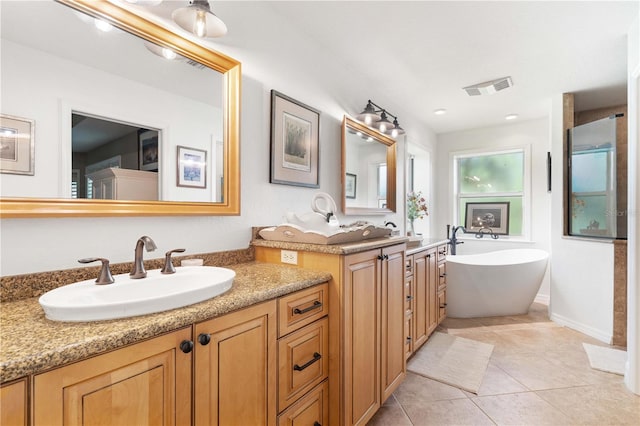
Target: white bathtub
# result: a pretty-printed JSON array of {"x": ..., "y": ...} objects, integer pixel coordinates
[{"x": 497, "y": 283}]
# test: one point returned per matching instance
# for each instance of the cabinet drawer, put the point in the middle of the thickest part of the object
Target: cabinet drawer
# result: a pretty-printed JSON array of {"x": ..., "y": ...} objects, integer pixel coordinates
[
  {"x": 442, "y": 305},
  {"x": 442, "y": 275},
  {"x": 303, "y": 361},
  {"x": 301, "y": 308},
  {"x": 312, "y": 409},
  {"x": 408, "y": 266},
  {"x": 442, "y": 253}
]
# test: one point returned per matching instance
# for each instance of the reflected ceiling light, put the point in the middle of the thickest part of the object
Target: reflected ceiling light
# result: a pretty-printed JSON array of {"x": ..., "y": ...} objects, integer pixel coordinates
[
  {"x": 440, "y": 111},
  {"x": 198, "y": 19},
  {"x": 511, "y": 116},
  {"x": 102, "y": 25},
  {"x": 370, "y": 117},
  {"x": 160, "y": 51}
]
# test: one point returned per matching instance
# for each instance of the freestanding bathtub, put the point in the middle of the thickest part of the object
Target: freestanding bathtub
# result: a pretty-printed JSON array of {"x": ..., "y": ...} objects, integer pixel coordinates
[{"x": 503, "y": 282}]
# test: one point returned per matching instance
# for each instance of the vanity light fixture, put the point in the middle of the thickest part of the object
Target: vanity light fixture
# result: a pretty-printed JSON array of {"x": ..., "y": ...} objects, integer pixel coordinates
[
  {"x": 370, "y": 117},
  {"x": 198, "y": 19}
]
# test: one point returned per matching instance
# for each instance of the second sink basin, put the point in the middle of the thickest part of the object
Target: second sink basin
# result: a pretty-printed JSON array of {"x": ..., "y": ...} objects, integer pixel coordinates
[{"x": 126, "y": 297}]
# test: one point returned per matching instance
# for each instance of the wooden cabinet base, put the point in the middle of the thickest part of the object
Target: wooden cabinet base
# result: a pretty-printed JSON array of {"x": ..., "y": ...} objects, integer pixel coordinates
[{"x": 310, "y": 410}]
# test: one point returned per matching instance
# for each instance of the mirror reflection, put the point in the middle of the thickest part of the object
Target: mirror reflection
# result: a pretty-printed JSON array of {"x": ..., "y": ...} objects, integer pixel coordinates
[
  {"x": 368, "y": 170},
  {"x": 107, "y": 100}
]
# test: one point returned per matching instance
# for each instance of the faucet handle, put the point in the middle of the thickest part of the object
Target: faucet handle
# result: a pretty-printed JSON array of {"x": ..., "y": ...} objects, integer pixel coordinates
[
  {"x": 168, "y": 265},
  {"x": 105, "y": 276}
]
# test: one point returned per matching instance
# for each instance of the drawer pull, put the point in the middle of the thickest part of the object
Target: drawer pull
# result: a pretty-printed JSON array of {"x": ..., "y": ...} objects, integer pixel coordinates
[
  {"x": 409, "y": 339},
  {"x": 443, "y": 275},
  {"x": 409, "y": 298},
  {"x": 316, "y": 357},
  {"x": 444, "y": 305},
  {"x": 316, "y": 304}
]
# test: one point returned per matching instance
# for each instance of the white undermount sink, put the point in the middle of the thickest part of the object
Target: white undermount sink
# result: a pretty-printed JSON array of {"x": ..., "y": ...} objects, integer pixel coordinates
[{"x": 126, "y": 297}]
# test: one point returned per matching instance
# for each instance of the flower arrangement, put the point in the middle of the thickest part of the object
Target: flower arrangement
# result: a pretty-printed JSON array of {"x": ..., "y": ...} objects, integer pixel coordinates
[{"x": 416, "y": 206}]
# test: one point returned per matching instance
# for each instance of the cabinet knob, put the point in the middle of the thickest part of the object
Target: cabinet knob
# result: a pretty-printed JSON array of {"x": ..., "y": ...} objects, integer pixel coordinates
[
  {"x": 204, "y": 339},
  {"x": 409, "y": 297},
  {"x": 316, "y": 424},
  {"x": 380, "y": 257},
  {"x": 186, "y": 346},
  {"x": 409, "y": 339}
]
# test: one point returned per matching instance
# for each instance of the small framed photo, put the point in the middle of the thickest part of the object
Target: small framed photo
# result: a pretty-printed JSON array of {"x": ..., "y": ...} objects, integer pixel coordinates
[
  {"x": 17, "y": 145},
  {"x": 148, "y": 149},
  {"x": 493, "y": 216},
  {"x": 295, "y": 136},
  {"x": 350, "y": 182},
  {"x": 192, "y": 167}
]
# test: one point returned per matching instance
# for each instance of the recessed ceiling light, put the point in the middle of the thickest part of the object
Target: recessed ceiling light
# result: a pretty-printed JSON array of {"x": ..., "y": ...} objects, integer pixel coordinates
[
  {"x": 511, "y": 116},
  {"x": 440, "y": 111}
]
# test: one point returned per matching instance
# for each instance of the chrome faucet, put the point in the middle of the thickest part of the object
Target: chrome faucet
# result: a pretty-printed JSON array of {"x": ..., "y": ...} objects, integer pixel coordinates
[
  {"x": 138, "y": 270},
  {"x": 453, "y": 240}
]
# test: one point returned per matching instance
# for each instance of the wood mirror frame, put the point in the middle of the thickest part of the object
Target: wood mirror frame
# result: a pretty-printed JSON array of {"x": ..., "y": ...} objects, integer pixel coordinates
[
  {"x": 231, "y": 70},
  {"x": 349, "y": 123}
]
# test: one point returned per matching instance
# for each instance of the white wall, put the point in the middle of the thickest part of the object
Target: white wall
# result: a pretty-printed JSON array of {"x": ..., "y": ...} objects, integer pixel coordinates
[
  {"x": 581, "y": 269},
  {"x": 533, "y": 133}
]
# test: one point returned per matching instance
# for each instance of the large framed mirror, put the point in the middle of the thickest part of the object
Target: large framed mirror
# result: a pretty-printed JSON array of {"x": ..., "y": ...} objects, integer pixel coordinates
[
  {"x": 194, "y": 117},
  {"x": 368, "y": 170}
]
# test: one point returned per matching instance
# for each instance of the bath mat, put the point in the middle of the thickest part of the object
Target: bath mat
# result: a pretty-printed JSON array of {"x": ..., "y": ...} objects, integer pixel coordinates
[
  {"x": 606, "y": 359},
  {"x": 452, "y": 360}
]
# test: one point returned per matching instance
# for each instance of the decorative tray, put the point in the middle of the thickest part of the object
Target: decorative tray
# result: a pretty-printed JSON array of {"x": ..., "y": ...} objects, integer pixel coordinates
[{"x": 295, "y": 234}]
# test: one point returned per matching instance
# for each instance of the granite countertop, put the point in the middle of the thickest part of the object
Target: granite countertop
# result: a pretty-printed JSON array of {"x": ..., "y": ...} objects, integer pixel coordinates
[
  {"x": 31, "y": 343},
  {"x": 348, "y": 248},
  {"x": 426, "y": 244}
]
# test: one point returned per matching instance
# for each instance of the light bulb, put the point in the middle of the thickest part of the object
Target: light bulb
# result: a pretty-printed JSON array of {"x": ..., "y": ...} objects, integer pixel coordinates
[
  {"x": 367, "y": 120},
  {"x": 383, "y": 127},
  {"x": 394, "y": 133},
  {"x": 200, "y": 25}
]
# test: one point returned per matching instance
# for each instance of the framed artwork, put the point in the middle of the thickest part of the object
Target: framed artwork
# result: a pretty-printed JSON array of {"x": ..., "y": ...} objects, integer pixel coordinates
[
  {"x": 17, "y": 145},
  {"x": 350, "y": 182},
  {"x": 192, "y": 167},
  {"x": 493, "y": 216},
  {"x": 148, "y": 149},
  {"x": 295, "y": 136}
]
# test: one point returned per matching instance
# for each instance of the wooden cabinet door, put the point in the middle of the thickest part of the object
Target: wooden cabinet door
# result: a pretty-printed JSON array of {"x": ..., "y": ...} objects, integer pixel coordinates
[
  {"x": 393, "y": 360},
  {"x": 361, "y": 346},
  {"x": 142, "y": 384},
  {"x": 421, "y": 298},
  {"x": 235, "y": 368},
  {"x": 13, "y": 403}
]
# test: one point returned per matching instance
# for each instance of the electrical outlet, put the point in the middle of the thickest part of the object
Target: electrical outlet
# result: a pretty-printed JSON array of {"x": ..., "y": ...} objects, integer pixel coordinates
[{"x": 288, "y": 256}]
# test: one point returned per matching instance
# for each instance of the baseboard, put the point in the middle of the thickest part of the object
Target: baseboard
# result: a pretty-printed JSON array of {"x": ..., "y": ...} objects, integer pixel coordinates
[
  {"x": 542, "y": 298},
  {"x": 582, "y": 328}
]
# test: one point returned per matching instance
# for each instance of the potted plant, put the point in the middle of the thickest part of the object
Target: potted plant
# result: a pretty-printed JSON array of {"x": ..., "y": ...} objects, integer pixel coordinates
[{"x": 416, "y": 209}]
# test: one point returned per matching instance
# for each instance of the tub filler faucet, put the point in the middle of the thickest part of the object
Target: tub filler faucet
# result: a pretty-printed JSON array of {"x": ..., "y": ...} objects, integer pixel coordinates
[
  {"x": 138, "y": 270},
  {"x": 453, "y": 240}
]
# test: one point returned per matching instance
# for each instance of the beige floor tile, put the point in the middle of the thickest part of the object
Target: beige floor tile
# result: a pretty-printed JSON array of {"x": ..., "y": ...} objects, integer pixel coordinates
[
  {"x": 417, "y": 389},
  {"x": 596, "y": 404},
  {"x": 390, "y": 414},
  {"x": 453, "y": 412},
  {"x": 497, "y": 382},
  {"x": 520, "y": 409}
]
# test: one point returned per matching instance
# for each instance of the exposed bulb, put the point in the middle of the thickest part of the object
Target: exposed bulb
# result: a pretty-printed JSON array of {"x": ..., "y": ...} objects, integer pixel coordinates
[
  {"x": 367, "y": 120},
  {"x": 394, "y": 133},
  {"x": 200, "y": 25}
]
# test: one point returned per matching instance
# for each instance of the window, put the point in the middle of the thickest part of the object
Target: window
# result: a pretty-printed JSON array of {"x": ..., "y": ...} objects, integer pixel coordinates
[{"x": 492, "y": 177}]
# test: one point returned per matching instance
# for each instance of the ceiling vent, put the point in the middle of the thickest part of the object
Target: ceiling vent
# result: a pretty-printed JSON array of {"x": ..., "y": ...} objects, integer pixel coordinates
[{"x": 489, "y": 87}]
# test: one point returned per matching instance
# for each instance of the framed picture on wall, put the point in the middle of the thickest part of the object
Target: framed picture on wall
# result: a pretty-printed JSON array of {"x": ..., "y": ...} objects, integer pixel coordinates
[
  {"x": 148, "y": 149},
  {"x": 350, "y": 182},
  {"x": 295, "y": 136},
  {"x": 17, "y": 145},
  {"x": 192, "y": 167},
  {"x": 493, "y": 216}
]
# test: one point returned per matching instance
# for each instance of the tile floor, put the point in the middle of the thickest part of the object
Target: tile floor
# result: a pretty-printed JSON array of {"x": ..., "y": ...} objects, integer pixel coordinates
[{"x": 538, "y": 374}]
